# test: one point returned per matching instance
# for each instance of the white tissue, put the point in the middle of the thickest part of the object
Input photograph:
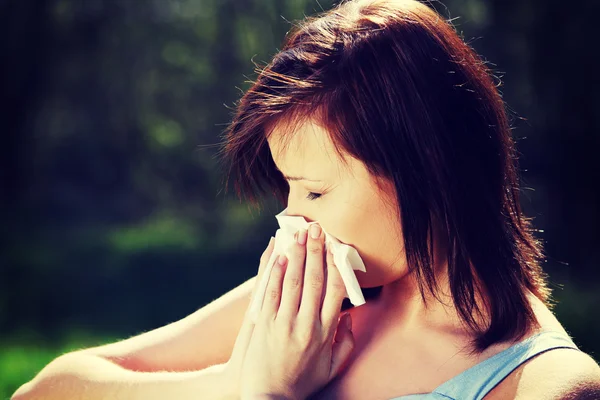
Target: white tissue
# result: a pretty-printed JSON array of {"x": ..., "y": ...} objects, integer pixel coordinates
[{"x": 345, "y": 257}]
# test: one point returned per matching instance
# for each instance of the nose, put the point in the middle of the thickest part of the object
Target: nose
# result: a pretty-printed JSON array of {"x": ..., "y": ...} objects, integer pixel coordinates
[
  {"x": 294, "y": 209},
  {"x": 297, "y": 213}
]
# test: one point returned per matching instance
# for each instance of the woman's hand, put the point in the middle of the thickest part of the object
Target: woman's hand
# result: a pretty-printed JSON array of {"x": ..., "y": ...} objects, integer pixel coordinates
[{"x": 297, "y": 344}]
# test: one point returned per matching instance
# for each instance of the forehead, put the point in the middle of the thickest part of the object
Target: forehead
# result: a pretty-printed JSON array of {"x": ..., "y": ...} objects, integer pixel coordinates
[
  {"x": 306, "y": 147},
  {"x": 308, "y": 151}
]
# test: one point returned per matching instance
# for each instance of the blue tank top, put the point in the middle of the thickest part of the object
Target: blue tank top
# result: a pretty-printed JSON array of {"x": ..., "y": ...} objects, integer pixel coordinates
[{"x": 479, "y": 380}]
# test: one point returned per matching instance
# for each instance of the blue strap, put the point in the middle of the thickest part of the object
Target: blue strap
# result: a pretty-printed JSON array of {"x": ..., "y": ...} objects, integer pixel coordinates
[
  {"x": 479, "y": 380},
  {"x": 424, "y": 396}
]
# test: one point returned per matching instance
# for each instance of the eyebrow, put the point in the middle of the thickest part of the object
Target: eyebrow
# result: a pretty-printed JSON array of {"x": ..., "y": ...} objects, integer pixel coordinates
[{"x": 299, "y": 178}]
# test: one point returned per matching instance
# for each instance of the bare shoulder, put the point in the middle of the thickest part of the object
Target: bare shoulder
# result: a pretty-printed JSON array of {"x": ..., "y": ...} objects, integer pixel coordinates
[{"x": 558, "y": 374}]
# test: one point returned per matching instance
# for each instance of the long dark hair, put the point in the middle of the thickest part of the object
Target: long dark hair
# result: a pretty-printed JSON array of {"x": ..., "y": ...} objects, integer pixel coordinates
[{"x": 398, "y": 89}]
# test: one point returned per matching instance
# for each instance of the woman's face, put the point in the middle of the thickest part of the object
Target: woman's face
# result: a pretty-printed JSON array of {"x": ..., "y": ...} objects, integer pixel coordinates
[{"x": 343, "y": 198}]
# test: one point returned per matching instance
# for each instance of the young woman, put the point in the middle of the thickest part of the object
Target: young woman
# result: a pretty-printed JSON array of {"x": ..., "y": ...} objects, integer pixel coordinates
[{"x": 379, "y": 122}]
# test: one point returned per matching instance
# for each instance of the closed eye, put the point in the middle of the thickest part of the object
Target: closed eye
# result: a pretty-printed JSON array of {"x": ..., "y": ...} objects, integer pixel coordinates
[{"x": 313, "y": 196}]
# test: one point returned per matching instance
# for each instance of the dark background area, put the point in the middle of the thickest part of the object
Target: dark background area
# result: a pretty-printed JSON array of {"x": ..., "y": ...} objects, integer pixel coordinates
[{"x": 113, "y": 218}]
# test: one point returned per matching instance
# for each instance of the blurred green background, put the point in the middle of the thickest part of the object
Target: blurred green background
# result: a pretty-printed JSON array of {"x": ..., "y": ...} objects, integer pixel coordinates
[{"x": 113, "y": 216}]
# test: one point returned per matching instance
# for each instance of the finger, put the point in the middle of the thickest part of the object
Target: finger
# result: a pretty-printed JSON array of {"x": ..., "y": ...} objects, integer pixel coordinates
[
  {"x": 245, "y": 333},
  {"x": 314, "y": 276},
  {"x": 294, "y": 278},
  {"x": 274, "y": 287},
  {"x": 342, "y": 346},
  {"x": 260, "y": 284},
  {"x": 334, "y": 295},
  {"x": 264, "y": 259}
]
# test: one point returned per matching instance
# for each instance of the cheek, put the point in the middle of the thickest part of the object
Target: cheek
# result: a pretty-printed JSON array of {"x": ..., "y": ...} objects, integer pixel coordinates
[
  {"x": 373, "y": 228},
  {"x": 382, "y": 250}
]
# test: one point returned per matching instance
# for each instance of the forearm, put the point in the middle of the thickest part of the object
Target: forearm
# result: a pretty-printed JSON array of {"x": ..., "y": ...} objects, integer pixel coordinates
[{"x": 80, "y": 376}]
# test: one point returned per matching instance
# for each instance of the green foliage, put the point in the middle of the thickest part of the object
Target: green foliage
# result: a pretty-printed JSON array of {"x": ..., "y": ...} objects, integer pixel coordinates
[{"x": 158, "y": 232}]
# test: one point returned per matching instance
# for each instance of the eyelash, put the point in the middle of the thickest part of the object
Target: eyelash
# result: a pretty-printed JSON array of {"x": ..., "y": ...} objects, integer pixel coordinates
[{"x": 313, "y": 196}]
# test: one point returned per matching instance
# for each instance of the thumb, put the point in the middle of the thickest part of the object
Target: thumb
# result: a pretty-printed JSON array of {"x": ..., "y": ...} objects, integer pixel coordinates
[
  {"x": 244, "y": 336},
  {"x": 342, "y": 346},
  {"x": 247, "y": 328}
]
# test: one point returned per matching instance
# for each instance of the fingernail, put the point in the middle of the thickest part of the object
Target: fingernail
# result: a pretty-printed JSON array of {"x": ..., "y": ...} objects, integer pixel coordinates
[
  {"x": 281, "y": 259},
  {"x": 348, "y": 322},
  {"x": 315, "y": 231},
  {"x": 302, "y": 234},
  {"x": 271, "y": 241}
]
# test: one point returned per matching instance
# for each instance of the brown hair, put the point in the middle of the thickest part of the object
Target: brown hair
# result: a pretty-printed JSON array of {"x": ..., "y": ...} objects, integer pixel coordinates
[{"x": 398, "y": 89}]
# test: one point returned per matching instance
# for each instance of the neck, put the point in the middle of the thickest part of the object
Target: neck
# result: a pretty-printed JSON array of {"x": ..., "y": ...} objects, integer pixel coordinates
[{"x": 402, "y": 301}]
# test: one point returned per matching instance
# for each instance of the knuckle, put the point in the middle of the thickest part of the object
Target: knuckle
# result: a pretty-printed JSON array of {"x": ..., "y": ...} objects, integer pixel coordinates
[
  {"x": 273, "y": 294},
  {"x": 339, "y": 287},
  {"x": 315, "y": 249},
  {"x": 294, "y": 282},
  {"x": 316, "y": 281}
]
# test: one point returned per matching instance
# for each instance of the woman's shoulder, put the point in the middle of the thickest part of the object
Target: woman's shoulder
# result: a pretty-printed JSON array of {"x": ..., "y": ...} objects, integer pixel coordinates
[
  {"x": 561, "y": 373},
  {"x": 556, "y": 374}
]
